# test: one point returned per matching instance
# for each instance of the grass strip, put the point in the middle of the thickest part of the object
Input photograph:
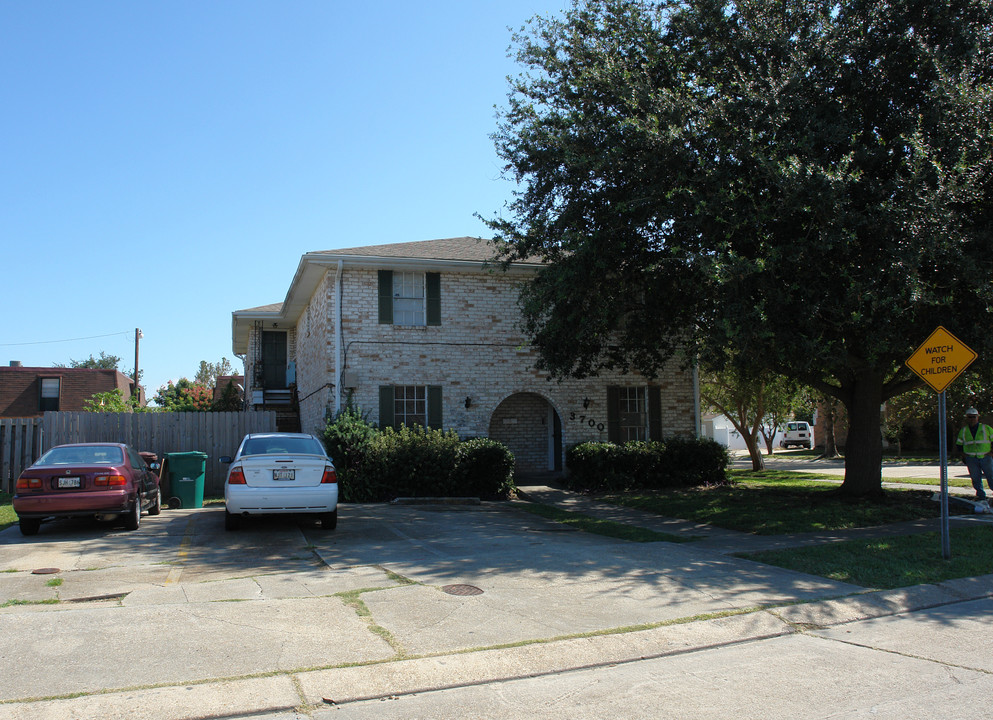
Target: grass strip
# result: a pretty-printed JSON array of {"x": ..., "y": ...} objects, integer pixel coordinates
[
  {"x": 7, "y": 515},
  {"x": 774, "y": 502},
  {"x": 892, "y": 562},
  {"x": 589, "y": 524}
]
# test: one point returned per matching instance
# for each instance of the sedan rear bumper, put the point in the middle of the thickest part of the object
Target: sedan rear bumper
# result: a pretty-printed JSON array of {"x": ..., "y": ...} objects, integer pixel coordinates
[
  {"x": 79, "y": 504},
  {"x": 240, "y": 499}
]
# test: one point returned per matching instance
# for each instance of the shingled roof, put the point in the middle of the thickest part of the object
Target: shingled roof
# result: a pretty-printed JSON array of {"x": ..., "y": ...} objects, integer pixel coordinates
[
  {"x": 448, "y": 253},
  {"x": 462, "y": 248}
]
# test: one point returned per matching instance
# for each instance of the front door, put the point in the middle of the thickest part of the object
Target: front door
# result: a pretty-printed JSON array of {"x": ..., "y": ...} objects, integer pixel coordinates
[{"x": 274, "y": 360}]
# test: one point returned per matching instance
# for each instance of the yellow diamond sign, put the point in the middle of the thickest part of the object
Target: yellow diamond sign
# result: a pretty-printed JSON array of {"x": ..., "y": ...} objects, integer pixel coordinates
[{"x": 941, "y": 359}]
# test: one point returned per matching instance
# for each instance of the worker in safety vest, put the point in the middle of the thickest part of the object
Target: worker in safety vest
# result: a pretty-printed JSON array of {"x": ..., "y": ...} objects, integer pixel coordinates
[{"x": 974, "y": 444}]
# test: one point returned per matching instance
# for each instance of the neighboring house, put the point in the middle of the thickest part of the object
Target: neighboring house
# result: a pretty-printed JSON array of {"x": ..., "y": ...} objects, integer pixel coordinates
[
  {"x": 221, "y": 384},
  {"x": 30, "y": 391},
  {"x": 428, "y": 333}
]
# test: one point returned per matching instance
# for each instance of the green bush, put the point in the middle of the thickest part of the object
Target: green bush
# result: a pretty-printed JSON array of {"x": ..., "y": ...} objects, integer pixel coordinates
[
  {"x": 485, "y": 469},
  {"x": 410, "y": 462},
  {"x": 675, "y": 462},
  {"x": 347, "y": 438},
  {"x": 378, "y": 465}
]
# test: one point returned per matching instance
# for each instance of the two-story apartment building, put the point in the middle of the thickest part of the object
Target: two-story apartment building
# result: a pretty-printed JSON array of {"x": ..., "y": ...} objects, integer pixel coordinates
[{"x": 428, "y": 333}]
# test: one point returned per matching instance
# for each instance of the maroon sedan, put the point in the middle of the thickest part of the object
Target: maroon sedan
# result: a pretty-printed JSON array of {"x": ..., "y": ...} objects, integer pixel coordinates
[{"x": 101, "y": 480}]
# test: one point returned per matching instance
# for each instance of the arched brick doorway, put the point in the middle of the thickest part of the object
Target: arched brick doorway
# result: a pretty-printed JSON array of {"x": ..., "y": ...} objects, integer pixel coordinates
[{"x": 529, "y": 425}]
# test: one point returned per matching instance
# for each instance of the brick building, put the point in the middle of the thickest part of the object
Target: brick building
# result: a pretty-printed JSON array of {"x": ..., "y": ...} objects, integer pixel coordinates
[
  {"x": 427, "y": 332},
  {"x": 30, "y": 391}
]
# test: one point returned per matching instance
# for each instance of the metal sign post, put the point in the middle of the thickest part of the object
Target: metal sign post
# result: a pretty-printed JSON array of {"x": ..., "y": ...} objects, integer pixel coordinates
[
  {"x": 946, "y": 543},
  {"x": 941, "y": 359}
]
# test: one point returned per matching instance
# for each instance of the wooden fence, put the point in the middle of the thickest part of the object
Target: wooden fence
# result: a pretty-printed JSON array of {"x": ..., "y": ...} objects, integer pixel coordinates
[
  {"x": 20, "y": 445},
  {"x": 213, "y": 433}
]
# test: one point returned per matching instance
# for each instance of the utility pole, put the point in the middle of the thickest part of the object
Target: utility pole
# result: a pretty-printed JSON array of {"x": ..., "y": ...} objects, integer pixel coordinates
[{"x": 137, "y": 337}]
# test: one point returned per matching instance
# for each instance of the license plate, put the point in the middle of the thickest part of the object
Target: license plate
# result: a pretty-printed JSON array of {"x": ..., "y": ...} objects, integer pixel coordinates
[
  {"x": 69, "y": 482},
  {"x": 283, "y": 474}
]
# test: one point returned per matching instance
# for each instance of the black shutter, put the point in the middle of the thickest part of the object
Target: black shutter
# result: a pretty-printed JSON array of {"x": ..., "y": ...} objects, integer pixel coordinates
[
  {"x": 385, "y": 297},
  {"x": 386, "y": 407},
  {"x": 613, "y": 415},
  {"x": 655, "y": 413},
  {"x": 434, "y": 407},
  {"x": 433, "y": 291}
]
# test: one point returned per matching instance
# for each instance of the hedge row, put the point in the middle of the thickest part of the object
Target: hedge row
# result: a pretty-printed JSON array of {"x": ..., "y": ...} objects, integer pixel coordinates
[
  {"x": 675, "y": 462},
  {"x": 379, "y": 465}
]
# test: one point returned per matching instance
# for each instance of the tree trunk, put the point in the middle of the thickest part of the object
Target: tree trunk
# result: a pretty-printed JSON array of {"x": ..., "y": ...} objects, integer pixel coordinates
[
  {"x": 830, "y": 443},
  {"x": 864, "y": 448},
  {"x": 754, "y": 452}
]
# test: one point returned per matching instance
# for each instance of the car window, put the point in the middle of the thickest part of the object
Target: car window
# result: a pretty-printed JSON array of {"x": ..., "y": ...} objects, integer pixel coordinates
[
  {"x": 282, "y": 446},
  {"x": 90, "y": 455},
  {"x": 791, "y": 426}
]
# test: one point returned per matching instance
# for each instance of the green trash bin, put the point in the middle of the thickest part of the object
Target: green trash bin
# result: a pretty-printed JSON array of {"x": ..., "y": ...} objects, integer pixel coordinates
[{"x": 186, "y": 477}]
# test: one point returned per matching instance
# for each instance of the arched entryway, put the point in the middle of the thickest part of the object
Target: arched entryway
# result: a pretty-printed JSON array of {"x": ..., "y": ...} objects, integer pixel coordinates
[{"x": 529, "y": 425}]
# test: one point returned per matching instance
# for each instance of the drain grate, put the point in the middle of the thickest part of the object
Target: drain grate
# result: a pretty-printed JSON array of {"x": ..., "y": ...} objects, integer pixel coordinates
[{"x": 462, "y": 590}]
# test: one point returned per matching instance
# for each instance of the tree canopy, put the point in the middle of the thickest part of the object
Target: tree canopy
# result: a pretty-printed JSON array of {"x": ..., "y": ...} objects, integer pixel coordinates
[
  {"x": 806, "y": 183},
  {"x": 104, "y": 362},
  {"x": 184, "y": 396}
]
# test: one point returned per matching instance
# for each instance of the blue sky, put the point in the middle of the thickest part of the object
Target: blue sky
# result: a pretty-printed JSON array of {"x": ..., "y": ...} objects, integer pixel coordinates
[{"x": 165, "y": 163}]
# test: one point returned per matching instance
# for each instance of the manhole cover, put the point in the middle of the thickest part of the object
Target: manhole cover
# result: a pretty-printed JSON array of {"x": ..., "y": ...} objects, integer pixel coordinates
[
  {"x": 462, "y": 590},
  {"x": 45, "y": 571}
]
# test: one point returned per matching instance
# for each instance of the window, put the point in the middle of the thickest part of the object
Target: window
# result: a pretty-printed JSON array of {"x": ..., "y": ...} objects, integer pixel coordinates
[
  {"x": 634, "y": 413},
  {"x": 633, "y": 418},
  {"x": 50, "y": 388},
  {"x": 410, "y": 405},
  {"x": 409, "y": 298}
]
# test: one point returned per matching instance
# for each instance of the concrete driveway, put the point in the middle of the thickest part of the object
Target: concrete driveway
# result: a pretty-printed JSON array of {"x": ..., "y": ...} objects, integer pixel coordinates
[{"x": 181, "y": 619}]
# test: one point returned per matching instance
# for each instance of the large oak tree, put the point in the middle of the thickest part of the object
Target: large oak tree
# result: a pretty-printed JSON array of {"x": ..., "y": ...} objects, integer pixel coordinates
[{"x": 808, "y": 183}]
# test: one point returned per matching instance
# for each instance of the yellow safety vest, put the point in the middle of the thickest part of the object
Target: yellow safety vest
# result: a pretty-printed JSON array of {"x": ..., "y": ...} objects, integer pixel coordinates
[{"x": 978, "y": 446}]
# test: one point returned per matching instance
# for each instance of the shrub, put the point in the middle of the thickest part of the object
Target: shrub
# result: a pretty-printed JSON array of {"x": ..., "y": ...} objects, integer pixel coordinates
[
  {"x": 485, "y": 469},
  {"x": 378, "y": 465},
  {"x": 674, "y": 462},
  {"x": 410, "y": 462},
  {"x": 695, "y": 461}
]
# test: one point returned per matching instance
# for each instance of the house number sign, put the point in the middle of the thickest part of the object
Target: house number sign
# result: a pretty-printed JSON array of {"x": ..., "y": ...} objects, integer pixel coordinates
[{"x": 586, "y": 419}]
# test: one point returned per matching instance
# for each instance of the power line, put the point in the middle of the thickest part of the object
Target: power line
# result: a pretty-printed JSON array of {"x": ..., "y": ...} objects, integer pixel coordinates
[{"x": 126, "y": 333}]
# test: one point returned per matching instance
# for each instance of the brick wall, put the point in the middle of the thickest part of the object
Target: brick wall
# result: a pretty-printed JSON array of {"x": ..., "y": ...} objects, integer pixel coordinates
[
  {"x": 20, "y": 388},
  {"x": 477, "y": 352}
]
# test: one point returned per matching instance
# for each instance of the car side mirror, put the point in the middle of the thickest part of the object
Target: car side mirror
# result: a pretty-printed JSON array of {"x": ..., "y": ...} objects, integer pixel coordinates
[{"x": 226, "y": 459}]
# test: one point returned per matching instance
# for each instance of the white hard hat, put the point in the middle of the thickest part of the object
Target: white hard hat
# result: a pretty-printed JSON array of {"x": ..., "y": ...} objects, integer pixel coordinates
[{"x": 972, "y": 411}]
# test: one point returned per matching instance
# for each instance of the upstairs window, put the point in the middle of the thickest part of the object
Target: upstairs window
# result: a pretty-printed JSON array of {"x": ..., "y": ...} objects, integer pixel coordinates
[
  {"x": 409, "y": 298},
  {"x": 50, "y": 391}
]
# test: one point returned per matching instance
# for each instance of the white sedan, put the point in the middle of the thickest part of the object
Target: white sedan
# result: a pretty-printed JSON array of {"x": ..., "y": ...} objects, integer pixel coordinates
[{"x": 277, "y": 474}]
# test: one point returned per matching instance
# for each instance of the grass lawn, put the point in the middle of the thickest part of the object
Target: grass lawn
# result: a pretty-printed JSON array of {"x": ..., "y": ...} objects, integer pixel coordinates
[
  {"x": 892, "y": 562},
  {"x": 778, "y": 502},
  {"x": 7, "y": 515}
]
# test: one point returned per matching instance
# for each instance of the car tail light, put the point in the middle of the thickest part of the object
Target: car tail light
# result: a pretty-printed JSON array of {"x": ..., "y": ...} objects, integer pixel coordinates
[
  {"x": 330, "y": 476},
  {"x": 110, "y": 480},
  {"x": 28, "y": 483},
  {"x": 236, "y": 476}
]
